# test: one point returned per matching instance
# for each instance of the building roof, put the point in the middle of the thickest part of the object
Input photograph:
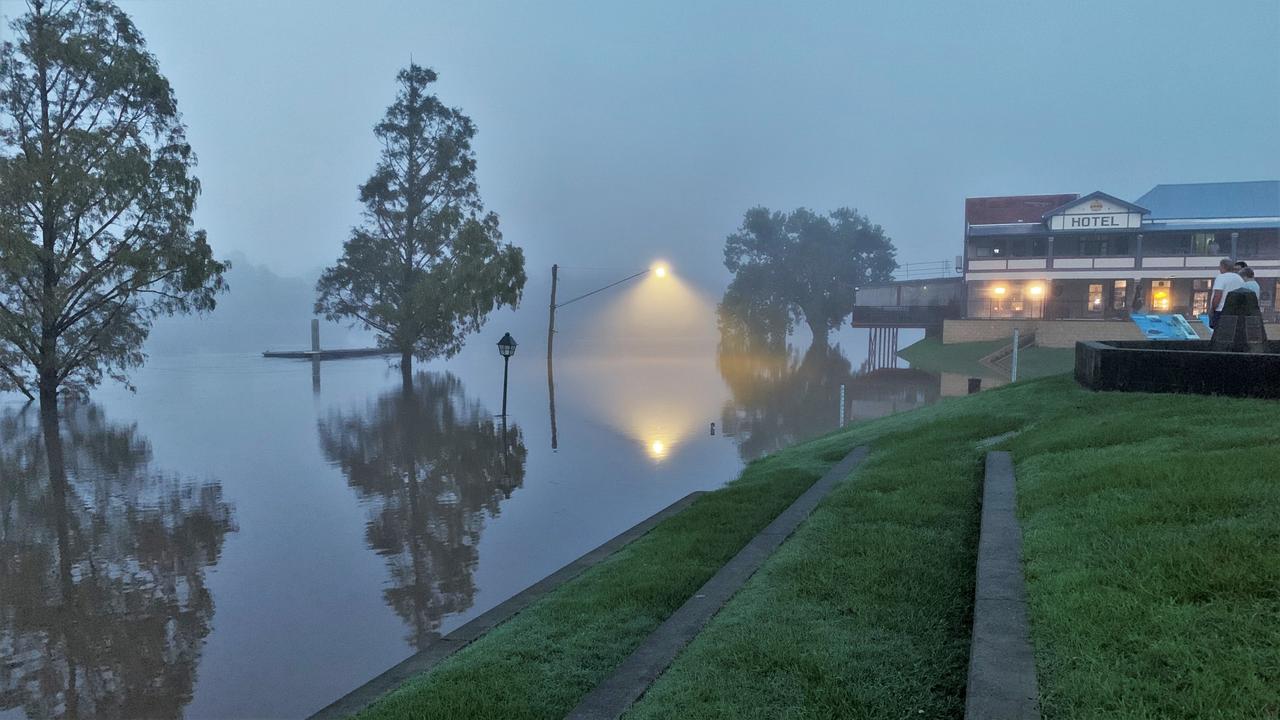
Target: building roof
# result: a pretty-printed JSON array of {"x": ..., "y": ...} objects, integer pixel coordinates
[
  {"x": 1011, "y": 208},
  {"x": 1188, "y": 201},
  {"x": 1095, "y": 195}
]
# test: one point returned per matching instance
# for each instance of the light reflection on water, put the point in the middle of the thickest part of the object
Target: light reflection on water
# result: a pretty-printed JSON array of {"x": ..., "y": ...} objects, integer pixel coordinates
[{"x": 234, "y": 541}]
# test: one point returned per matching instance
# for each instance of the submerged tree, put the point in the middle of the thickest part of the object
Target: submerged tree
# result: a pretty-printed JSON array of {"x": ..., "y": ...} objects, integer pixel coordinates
[
  {"x": 780, "y": 397},
  {"x": 428, "y": 265},
  {"x": 803, "y": 266},
  {"x": 96, "y": 197}
]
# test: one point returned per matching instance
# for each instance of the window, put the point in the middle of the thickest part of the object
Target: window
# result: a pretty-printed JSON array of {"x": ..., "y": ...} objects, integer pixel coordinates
[
  {"x": 1027, "y": 247},
  {"x": 1161, "y": 295},
  {"x": 1119, "y": 294},
  {"x": 1166, "y": 244},
  {"x": 1102, "y": 245},
  {"x": 1093, "y": 246},
  {"x": 987, "y": 248},
  {"x": 1258, "y": 245},
  {"x": 1200, "y": 297},
  {"x": 1095, "y": 298},
  {"x": 1204, "y": 244}
]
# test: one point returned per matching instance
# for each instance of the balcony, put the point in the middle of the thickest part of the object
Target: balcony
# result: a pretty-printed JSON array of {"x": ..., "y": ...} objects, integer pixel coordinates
[{"x": 904, "y": 316}]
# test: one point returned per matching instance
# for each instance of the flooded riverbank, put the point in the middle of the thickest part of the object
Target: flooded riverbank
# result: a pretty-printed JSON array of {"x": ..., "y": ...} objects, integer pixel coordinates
[{"x": 240, "y": 538}]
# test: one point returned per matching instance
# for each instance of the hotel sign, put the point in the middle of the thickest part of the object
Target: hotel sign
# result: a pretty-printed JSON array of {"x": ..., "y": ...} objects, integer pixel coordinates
[{"x": 1096, "y": 214}]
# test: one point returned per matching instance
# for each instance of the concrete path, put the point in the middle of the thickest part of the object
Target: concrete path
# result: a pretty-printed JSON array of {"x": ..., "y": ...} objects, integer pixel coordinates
[
  {"x": 1002, "y": 666},
  {"x": 432, "y": 655},
  {"x": 630, "y": 679}
]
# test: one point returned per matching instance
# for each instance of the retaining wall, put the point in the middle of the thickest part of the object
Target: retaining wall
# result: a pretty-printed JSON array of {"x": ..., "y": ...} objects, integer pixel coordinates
[{"x": 1056, "y": 333}]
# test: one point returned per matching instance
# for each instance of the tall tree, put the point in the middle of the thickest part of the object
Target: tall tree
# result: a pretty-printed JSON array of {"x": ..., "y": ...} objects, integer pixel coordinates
[
  {"x": 806, "y": 264},
  {"x": 96, "y": 197},
  {"x": 428, "y": 264}
]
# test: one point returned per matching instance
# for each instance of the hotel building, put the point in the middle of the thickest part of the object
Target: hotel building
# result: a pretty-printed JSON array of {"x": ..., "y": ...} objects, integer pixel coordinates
[{"x": 1098, "y": 257}]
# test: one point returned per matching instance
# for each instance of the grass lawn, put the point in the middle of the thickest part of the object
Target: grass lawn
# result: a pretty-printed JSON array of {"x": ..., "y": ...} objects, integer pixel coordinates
[
  {"x": 541, "y": 662},
  {"x": 1153, "y": 566},
  {"x": 1038, "y": 362},
  {"x": 1152, "y": 548},
  {"x": 931, "y": 355},
  {"x": 865, "y": 612}
]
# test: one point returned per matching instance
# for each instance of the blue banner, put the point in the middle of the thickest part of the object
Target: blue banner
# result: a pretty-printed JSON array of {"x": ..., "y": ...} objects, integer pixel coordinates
[{"x": 1165, "y": 327}]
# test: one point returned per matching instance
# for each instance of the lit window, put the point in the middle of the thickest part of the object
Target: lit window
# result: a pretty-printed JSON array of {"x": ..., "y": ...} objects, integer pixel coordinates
[
  {"x": 1161, "y": 294},
  {"x": 1095, "y": 297}
]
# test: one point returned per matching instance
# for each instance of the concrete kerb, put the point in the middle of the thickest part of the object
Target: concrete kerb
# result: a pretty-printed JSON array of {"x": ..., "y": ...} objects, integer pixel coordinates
[
  {"x": 617, "y": 692},
  {"x": 430, "y": 656},
  {"x": 1002, "y": 667}
]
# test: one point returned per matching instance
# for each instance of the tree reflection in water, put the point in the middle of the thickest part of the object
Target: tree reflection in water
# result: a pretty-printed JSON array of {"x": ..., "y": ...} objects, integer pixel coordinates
[
  {"x": 780, "y": 397},
  {"x": 103, "y": 603},
  {"x": 434, "y": 463}
]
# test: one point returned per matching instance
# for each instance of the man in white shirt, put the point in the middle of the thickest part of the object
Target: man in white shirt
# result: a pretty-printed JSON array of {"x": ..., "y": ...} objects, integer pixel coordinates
[{"x": 1226, "y": 281}]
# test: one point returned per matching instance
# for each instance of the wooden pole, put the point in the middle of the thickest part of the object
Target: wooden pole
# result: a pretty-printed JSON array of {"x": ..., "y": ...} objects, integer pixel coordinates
[
  {"x": 551, "y": 323},
  {"x": 551, "y": 338}
]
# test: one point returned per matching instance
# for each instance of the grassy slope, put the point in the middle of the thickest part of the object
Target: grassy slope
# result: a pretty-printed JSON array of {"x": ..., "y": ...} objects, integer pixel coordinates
[
  {"x": 539, "y": 664},
  {"x": 931, "y": 355},
  {"x": 1152, "y": 551},
  {"x": 1153, "y": 569},
  {"x": 1152, "y": 545},
  {"x": 865, "y": 612}
]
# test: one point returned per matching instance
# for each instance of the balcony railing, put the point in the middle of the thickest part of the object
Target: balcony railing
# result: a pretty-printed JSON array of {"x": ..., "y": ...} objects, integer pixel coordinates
[
  {"x": 904, "y": 315},
  {"x": 927, "y": 270},
  {"x": 989, "y": 309}
]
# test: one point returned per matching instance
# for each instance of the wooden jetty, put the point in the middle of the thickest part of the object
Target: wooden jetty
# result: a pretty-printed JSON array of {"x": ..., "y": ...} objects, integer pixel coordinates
[
  {"x": 337, "y": 354},
  {"x": 315, "y": 353}
]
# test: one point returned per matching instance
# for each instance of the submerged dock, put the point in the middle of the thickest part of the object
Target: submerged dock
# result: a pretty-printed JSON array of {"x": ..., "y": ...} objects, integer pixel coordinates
[
  {"x": 315, "y": 353},
  {"x": 338, "y": 354}
]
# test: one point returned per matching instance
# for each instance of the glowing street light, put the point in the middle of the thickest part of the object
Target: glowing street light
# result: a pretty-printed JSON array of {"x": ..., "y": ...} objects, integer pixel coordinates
[{"x": 658, "y": 269}]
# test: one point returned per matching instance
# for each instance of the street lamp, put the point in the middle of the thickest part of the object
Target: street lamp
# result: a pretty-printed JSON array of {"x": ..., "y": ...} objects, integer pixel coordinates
[
  {"x": 506, "y": 348},
  {"x": 659, "y": 270}
]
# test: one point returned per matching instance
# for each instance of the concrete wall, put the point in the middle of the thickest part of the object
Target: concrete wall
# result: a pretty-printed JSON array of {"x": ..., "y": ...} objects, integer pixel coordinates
[
  {"x": 1057, "y": 333},
  {"x": 960, "y": 331},
  {"x": 1066, "y": 333},
  {"x": 957, "y": 384}
]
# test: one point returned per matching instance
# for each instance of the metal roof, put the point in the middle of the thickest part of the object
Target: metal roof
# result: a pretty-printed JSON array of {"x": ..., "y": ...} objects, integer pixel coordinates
[
  {"x": 1011, "y": 208},
  {"x": 1036, "y": 228},
  {"x": 1260, "y": 198}
]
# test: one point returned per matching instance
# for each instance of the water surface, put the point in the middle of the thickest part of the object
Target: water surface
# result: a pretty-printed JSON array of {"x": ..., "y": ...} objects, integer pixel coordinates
[{"x": 245, "y": 538}]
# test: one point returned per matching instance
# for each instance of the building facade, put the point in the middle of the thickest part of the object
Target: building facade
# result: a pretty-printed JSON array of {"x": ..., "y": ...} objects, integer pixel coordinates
[{"x": 1098, "y": 257}]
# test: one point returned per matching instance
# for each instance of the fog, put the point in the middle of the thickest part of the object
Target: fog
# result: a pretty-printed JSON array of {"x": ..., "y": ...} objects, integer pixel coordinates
[{"x": 610, "y": 135}]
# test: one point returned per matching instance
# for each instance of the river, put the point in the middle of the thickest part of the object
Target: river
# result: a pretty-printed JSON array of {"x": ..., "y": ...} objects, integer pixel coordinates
[{"x": 243, "y": 537}]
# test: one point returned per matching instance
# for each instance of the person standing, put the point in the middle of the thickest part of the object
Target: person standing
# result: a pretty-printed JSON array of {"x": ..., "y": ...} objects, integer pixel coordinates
[
  {"x": 1250, "y": 284},
  {"x": 1226, "y": 281}
]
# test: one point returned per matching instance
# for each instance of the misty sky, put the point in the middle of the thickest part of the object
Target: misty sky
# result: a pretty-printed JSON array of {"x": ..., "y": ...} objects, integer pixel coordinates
[{"x": 614, "y": 133}]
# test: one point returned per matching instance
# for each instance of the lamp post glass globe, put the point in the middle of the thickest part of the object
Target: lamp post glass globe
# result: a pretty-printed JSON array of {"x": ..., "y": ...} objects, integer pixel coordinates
[
  {"x": 507, "y": 346},
  {"x": 660, "y": 270}
]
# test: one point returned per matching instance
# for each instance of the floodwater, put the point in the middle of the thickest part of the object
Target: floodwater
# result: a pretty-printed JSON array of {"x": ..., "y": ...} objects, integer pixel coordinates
[{"x": 244, "y": 538}]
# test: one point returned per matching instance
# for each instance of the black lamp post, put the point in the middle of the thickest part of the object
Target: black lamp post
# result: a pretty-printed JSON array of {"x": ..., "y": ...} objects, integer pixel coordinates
[{"x": 506, "y": 348}]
